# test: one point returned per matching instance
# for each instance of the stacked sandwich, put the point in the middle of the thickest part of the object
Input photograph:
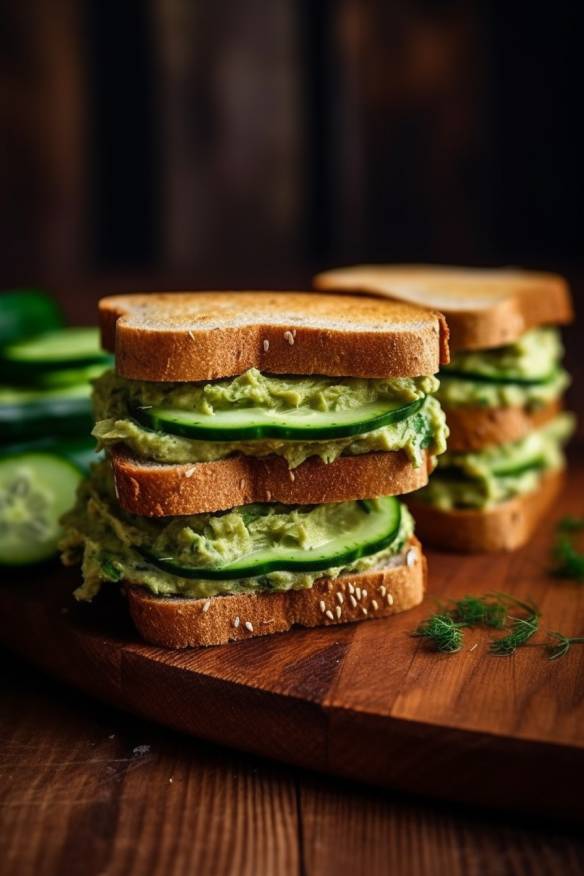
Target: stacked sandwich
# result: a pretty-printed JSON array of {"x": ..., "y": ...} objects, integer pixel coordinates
[
  {"x": 255, "y": 445},
  {"x": 502, "y": 395}
]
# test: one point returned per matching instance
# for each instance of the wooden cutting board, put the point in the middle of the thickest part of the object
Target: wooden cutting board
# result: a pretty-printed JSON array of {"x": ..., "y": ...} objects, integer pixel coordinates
[{"x": 364, "y": 701}]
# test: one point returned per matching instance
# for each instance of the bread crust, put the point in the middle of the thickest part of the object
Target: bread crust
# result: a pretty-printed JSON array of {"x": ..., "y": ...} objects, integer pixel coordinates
[
  {"x": 172, "y": 622},
  {"x": 476, "y": 428},
  {"x": 195, "y": 336},
  {"x": 505, "y": 527},
  {"x": 153, "y": 490},
  {"x": 484, "y": 307}
]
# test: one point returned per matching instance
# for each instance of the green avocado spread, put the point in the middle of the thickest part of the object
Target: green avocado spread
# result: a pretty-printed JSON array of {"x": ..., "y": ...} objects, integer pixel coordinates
[
  {"x": 526, "y": 373},
  {"x": 107, "y": 542},
  {"x": 486, "y": 478},
  {"x": 115, "y": 397}
]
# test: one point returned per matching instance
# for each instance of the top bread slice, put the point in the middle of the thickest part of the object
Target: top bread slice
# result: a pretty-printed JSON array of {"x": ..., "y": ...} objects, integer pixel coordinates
[
  {"x": 484, "y": 308},
  {"x": 197, "y": 336}
]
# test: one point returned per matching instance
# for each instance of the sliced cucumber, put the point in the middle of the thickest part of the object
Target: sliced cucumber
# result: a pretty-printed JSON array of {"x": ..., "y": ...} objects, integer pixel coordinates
[
  {"x": 80, "y": 451},
  {"x": 245, "y": 424},
  {"x": 32, "y": 412},
  {"x": 63, "y": 377},
  {"x": 514, "y": 469},
  {"x": 66, "y": 348},
  {"x": 35, "y": 490},
  {"x": 508, "y": 378},
  {"x": 25, "y": 312},
  {"x": 377, "y": 528}
]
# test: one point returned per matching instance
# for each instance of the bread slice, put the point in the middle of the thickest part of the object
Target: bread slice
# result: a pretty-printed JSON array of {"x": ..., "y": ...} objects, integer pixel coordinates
[
  {"x": 504, "y": 527},
  {"x": 172, "y": 622},
  {"x": 194, "y": 336},
  {"x": 154, "y": 490},
  {"x": 475, "y": 428},
  {"x": 484, "y": 307}
]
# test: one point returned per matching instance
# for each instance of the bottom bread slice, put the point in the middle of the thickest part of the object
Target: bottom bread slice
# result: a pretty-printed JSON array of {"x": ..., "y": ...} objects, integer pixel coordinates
[
  {"x": 174, "y": 622},
  {"x": 504, "y": 527},
  {"x": 475, "y": 428}
]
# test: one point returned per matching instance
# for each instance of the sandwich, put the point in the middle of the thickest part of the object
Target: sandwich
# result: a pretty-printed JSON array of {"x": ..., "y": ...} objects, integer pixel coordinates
[
  {"x": 255, "y": 445},
  {"x": 502, "y": 395}
]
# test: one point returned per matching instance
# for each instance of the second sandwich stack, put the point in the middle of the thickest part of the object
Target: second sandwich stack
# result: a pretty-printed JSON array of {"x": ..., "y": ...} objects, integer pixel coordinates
[
  {"x": 256, "y": 443},
  {"x": 502, "y": 395}
]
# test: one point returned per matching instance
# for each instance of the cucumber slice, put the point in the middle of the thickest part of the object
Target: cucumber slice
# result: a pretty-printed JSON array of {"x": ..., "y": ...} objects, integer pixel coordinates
[
  {"x": 28, "y": 413},
  {"x": 475, "y": 377},
  {"x": 25, "y": 312},
  {"x": 63, "y": 377},
  {"x": 245, "y": 424},
  {"x": 377, "y": 528},
  {"x": 65, "y": 348},
  {"x": 35, "y": 490},
  {"x": 80, "y": 451}
]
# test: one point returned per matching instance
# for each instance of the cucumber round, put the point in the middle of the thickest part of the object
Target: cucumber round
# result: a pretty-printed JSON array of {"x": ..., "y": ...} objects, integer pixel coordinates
[
  {"x": 25, "y": 312},
  {"x": 80, "y": 451},
  {"x": 35, "y": 490},
  {"x": 376, "y": 529},
  {"x": 28, "y": 413},
  {"x": 64, "y": 348},
  {"x": 246, "y": 424},
  {"x": 64, "y": 377},
  {"x": 476, "y": 377}
]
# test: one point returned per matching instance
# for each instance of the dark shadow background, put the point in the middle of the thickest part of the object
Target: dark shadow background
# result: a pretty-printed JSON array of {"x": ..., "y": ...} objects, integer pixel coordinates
[{"x": 188, "y": 143}]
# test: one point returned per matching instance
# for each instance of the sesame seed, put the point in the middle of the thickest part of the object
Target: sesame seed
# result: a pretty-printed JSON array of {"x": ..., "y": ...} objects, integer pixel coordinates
[
  {"x": 476, "y": 644},
  {"x": 383, "y": 589},
  {"x": 343, "y": 587},
  {"x": 363, "y": 609},
  {"x": 236, "y": 622},
  {"x": 189, "y": 472},
  {"x": 410, "y": 558},
  {"x": 207, "y": 606},
  {"x": 266, "y": 346},
  {"x": 292, "y": 476},
  {"x": 329, "y": 586},
  {"x": 358, "y": 592},
  {"x": 241, "y": 484},
  {"x": 374, "y": 604},
  {"x": 288, "y": 336},
  {"x": 268, "y": 496},
  {"x": 191, "y": 335},
  {"x": 389, "y": 599},
  {"x": 340, "y": 598},
  {"x": 249, "y": 626},
  {"x": 322, "y": 606},
  {"x": 329, "y": 614},
  {"x": 351, "y": 588},
  {"x": 338, "y": 611},
  {"x": 364, "y": 594},
  {"x": 353, "y": 600}
]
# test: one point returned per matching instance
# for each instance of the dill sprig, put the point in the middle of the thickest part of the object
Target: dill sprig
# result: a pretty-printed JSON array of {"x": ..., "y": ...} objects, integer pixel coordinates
[
  {"x": 561, "y": 644},
  {"x": 521, "y": 628},
  {"x": 480, "y": 611},
  {"x": 443, "y": 631},
  {"x": 568, "y": 560}
]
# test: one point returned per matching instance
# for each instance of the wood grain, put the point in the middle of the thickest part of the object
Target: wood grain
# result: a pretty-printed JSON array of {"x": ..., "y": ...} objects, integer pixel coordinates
[
  {"x": 88, "y": 789},
  {"x": 365, "y": 701}
]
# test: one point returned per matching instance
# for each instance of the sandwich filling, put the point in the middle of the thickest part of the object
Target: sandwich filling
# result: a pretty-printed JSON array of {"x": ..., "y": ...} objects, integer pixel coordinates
[
  {"x": 483, "y": 479},
  {"x": 525, "y": 374},
  {"x": 262, "y": 547},
  {"x": 257, "y": 415}
]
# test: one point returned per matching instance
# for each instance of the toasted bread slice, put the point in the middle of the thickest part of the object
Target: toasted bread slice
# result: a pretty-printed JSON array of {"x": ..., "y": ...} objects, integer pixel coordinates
[
  {"x": 504, "y": 527},
  {"x": 154, "y": 490},
  {"x": 172, "y": 622},
  {"x": 484, "y": 307},
  {"x": 194, "y": 336},
  {"x": 475, "y": 428}
]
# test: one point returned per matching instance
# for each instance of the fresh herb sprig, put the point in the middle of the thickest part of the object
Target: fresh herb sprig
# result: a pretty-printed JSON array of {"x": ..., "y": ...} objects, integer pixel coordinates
[
  {"x": 443, "y": 631},
  {"x": 561, "y": 644},
  {"x": 522, "y": 629},
  {"x": 568, "y": 560}
]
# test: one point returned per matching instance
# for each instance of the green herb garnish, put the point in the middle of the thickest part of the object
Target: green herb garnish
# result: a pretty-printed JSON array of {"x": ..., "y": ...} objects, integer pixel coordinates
[
  {"x": 522, "y": 628},
  {"x": 561, "y": 645},
  {"x": 568, "y": 560},
  {"x": 443, "y": 631},
  {"x": 480, "y": 611}
]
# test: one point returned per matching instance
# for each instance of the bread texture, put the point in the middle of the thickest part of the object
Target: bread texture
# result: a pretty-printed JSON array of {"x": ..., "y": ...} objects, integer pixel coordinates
[
  {"x": 504, "y": 527},
  {"x": 484, "y": 308},
  {"x": 172, "y": 622},
  {"x": 476, "y": 428},
  {"x": 196, "y": 336},
  {"x": 155, "y": 490}
]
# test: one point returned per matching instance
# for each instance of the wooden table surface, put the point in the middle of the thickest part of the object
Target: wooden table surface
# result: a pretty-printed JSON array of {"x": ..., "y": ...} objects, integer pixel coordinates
[{"x": 87, "y": 789}]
